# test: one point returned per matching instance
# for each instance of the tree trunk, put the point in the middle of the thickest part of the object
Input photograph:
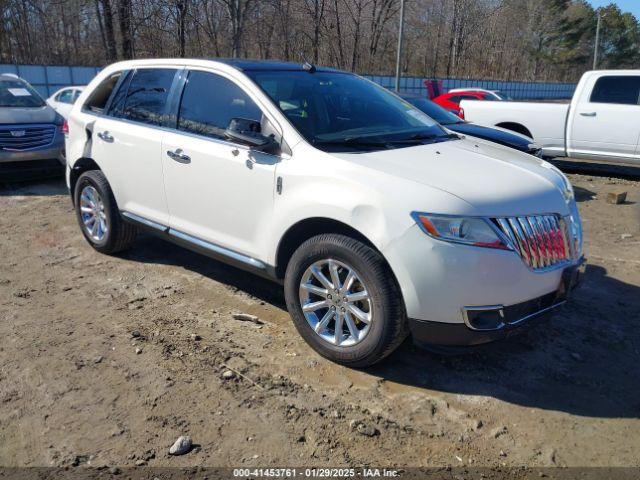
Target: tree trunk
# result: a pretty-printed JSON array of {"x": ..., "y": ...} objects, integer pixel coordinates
[
  {"x": 124, "y": 15},
  {"x": 181, "y": 7},
  {"x": 105, "y": 21}
]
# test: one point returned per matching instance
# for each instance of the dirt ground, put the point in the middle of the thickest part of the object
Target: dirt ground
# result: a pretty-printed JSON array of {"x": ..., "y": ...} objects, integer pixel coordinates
[{"x": 107, "y": 360}]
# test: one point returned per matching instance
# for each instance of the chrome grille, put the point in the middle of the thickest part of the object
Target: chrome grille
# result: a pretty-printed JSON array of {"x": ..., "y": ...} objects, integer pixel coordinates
[
  {"x": 542, "y": 241},
  {"x": 26, "y": 137}
]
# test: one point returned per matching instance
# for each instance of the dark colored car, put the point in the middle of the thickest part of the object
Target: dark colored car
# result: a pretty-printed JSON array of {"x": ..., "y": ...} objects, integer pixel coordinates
[
  {"x": 456, "y": 124},
  {"x": 31, "y": 136}
]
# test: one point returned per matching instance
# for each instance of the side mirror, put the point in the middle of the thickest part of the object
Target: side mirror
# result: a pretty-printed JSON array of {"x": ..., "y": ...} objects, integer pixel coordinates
[{"x": 248, "y": 132}]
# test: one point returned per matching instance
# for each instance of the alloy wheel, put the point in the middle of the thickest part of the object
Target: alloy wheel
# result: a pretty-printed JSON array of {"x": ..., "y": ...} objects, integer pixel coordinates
[
  {"x": 336, "y": 302},
  {"x": 92, "y": 213}
]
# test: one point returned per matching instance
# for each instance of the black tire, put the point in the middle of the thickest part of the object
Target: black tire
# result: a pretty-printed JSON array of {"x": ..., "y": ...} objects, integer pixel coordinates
[
  {"x": 388, "y": 327},
  {"x": 120, "y": 235}
]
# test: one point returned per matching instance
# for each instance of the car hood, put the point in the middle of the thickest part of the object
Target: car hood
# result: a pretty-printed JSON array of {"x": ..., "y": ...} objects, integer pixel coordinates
[
  {"x": 44, "y": 114},
  {"x": 494, "y": 180},
  {"x": 498, "y": 135}
]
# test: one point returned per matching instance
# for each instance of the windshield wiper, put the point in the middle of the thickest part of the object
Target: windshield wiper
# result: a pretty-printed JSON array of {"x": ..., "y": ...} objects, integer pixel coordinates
[
  {"x": 363, "y": 142},
  {"x": 421, "y": 137},
  {"x": 353, "y": 141}
]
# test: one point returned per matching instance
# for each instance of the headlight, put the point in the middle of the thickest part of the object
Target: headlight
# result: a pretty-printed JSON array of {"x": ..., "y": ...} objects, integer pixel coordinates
[{"x": 466, "y": 230}]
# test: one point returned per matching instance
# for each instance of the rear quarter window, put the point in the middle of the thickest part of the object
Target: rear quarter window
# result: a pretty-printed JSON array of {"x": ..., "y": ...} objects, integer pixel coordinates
[{"x": 98, "y": 99}]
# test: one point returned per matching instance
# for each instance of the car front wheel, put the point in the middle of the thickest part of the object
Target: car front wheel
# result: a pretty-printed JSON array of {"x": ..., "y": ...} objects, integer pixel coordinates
[{"x": 344, "y": 300}]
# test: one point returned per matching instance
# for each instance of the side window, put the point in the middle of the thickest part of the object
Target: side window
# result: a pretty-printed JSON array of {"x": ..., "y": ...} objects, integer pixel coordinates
[
  {"x": 100, "y": 96},
  {"x": 66, "y": 96},
  {"x": 146, "y": 97},
  {"x": 623, "y": 90},
  {"x": 76, "y": 94},
  {"x": 119, "y": 96},
  {"x": 210, "y": 101}
]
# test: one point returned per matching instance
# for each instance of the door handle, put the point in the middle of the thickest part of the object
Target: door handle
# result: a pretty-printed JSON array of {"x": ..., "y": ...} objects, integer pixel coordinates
[
  {"x": 588, "y": 114},
  {"x": 179, "y": 156},
  {"x": 105, "y": 136}
]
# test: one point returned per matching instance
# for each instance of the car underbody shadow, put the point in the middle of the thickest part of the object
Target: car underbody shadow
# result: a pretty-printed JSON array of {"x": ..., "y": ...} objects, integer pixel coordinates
[
  {"x": 157, "y": 250},
  {"x": 584, "y": 361}
]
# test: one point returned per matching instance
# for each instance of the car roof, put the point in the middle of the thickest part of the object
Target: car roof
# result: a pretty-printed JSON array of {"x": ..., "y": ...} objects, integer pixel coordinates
[
  {"x": 246, "y": 65},
  {"x": 471, "y": 89},
  {"x": 10, "y": 76},
  {"x": 462, "y": 92}
]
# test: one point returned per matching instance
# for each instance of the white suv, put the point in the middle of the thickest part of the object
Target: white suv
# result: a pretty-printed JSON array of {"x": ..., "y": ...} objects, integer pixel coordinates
[{"x": 377, "y": 220}]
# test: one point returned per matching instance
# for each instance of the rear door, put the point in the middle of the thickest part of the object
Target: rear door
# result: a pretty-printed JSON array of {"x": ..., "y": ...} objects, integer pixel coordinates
[
  {"x": 606, "y": 118},
  {"x": 127, "y": 141}
]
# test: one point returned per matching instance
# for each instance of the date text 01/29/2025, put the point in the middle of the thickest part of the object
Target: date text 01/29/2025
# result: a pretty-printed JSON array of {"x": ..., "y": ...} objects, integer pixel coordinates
[{"x": 315, "y": 472}]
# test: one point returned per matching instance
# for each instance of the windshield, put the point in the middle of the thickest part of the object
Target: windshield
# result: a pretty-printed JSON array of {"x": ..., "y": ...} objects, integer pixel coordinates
[
  {"x": 500, "y": 96},
  {"x": 343, "y": 112},
  {"x": 16, "y": 93},
  {"x": 435, "y": 111}
]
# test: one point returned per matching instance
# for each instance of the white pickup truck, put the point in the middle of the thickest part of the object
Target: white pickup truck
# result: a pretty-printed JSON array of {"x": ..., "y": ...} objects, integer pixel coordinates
[{"x": 602, "y": 121}]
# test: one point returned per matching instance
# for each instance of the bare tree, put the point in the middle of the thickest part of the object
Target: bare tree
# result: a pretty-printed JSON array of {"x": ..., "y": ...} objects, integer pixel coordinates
[
  {"x": 104, "y": 15},
  {"x": 238, "y": 11},
  {"x": 181, "y": 7},
  {"x": 315, "y": 9},
  {"x": 124, "y": 16},
  {"x": 502, "y": 39}
]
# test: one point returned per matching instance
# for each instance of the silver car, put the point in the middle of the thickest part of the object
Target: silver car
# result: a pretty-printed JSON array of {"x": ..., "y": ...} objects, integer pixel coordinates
[{"x": 31, "y": 132}]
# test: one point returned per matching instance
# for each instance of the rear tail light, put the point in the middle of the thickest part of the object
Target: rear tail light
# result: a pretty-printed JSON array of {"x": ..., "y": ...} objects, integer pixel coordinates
[
  {"x": 65, "y": 128},
  {"x": 461, "y": 113}
]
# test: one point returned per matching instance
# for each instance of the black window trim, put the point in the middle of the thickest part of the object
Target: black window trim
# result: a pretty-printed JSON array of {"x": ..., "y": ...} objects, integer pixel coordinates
[
  {"x": 173, "y": 106},
  {"x": 595, "y": 83}
]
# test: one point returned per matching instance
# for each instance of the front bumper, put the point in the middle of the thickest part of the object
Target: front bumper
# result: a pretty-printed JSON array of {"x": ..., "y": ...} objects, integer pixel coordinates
[
  {"x": 442, "y": 282},
  {"x": 501, "y": 322},
  {"x": 53, "y": 151}
]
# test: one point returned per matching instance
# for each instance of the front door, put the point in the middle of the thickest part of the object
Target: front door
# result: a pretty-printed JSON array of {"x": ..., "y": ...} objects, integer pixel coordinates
[{"x": 217, "y": 191}]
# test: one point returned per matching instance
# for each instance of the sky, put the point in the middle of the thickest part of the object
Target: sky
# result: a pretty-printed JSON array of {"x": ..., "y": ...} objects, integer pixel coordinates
[{"x": 632, "y": 6}]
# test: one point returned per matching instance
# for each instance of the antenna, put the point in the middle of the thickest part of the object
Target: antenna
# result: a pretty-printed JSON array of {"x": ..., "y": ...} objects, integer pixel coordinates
[{"x": 307, "y": 66}]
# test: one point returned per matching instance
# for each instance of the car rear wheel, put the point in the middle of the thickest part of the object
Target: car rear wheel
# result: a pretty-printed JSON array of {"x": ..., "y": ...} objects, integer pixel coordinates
[
  {"x": 98, "y": 214},
  {"x": 344, "y": 300}
]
